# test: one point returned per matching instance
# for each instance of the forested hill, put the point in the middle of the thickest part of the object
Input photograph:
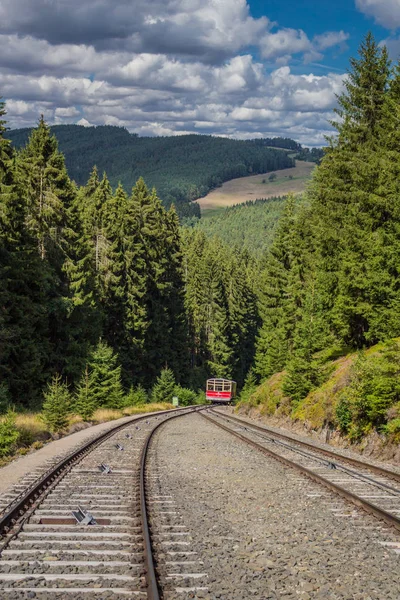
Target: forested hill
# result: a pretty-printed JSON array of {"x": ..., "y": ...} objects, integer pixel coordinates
[
  {"x": 181, "y": 168},
  {"x": 250, "y": 225}
]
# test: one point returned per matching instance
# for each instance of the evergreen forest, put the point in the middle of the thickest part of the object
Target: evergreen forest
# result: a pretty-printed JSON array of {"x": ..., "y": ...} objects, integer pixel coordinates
[
  {"x": 181, "y": 168},
  {"x": 94, "y": 276}
]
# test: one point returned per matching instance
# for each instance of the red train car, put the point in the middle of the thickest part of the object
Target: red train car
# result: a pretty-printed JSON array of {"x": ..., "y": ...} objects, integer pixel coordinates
[{"x": 220, "y": 391}]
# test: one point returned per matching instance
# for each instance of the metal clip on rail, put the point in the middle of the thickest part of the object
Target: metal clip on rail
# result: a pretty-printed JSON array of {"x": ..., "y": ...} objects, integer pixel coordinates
[
  {"x": 119, "y": 447},
  {"x": 84, "y": 517},
  {"x": 105, "y": 468}
]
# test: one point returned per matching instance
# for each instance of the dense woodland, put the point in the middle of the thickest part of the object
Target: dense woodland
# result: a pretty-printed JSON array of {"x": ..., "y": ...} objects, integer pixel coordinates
[
  {"x": 249, "y": 226},
  {"x": 88, "y": 272},
  {"x": 90, "y": 276},
  {"x": 330, "y": 283},
  {"x": 181, "y": 168}
]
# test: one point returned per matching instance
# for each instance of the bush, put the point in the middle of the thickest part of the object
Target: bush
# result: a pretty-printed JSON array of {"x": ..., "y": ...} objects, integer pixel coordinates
[
  {"x": 136, "y": 396},
  {"x": 56, "y": 406},
  {"x": 31, "y": 428},
  {"x": 373, "y": 392},
  {"x": 9, "y": 435},
  {"x": 186, "y": 396}
]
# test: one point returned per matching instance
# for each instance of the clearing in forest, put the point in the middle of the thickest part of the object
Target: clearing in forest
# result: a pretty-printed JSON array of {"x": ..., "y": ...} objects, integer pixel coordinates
[{"x": 258, "y": 186}]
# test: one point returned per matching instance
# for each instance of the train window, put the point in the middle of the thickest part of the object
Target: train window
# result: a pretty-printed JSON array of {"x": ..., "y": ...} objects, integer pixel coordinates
[
  {"x": 219, "y": 386},
  {"x": 227, "y": 386},
  {"x": 210, "y": 386}
]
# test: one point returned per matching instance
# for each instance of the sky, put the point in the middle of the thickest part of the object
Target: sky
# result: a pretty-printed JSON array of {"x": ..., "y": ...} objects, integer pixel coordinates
[{"x": 237, "y": 68}]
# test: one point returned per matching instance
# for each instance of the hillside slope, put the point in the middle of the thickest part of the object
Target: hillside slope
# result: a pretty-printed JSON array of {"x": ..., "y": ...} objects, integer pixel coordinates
[
  {"x": 181, "y": 168},
  {"x": 250, "y": 226},
  {"x": 357, "y": 403}
]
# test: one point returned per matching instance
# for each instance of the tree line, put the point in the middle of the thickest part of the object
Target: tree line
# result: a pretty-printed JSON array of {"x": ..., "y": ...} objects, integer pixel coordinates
[
  {"x": 330, "y": 282},
  {"x": 96, "y": 279},
  {"x": 181, "y": 168}
]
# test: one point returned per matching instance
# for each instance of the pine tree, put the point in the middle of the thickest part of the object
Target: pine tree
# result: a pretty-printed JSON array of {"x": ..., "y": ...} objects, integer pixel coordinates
[
  {"x": 347, "y": 207},
  {"x": 273, "y": 343},
  {"x": 137, "y": 396},
  {"x": 85, "y": 400},
  {"x": 85, "y": 316},
  {"x": 136, "y": 306},
  {"x": 114, "y": 275},
  {"x": 47, "y": 188},
  {"x": 9, "y": 434},
  {"x": 56, "y": 405},
  {"x": 24, "y": 343},
  {"x": 164, "y": 387},
  {"x": 105, "y": 376}
]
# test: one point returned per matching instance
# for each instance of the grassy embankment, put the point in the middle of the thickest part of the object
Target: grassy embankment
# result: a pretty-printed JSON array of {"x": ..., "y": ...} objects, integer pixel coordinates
[
  {"x": 33, "y": 433},
  {"x": 358, "y": 402}
]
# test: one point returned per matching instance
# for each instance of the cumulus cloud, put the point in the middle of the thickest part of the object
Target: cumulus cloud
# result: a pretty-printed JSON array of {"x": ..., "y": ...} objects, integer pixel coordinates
[
  {"x": 385, "y": 12},
  {"x": 211, "y": 29},
  {"x": 162, "y": 67},
  {"x": 330, "y": 39}
]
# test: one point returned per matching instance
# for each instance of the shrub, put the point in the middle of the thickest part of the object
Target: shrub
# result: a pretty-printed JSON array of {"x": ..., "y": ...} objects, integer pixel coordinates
[
  {"x": 56, "y": 406},
  {"x": 136, "y": 396},
  {"x": 372, "y": 394},
  {"x": 9, "y": 434},
  {"x": 30, "y": 428},
  {"x": 185, "y": 395}
]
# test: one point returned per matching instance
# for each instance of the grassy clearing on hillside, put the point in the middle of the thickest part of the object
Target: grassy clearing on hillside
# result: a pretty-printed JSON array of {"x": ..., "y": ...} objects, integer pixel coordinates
[
  {"x": 361, "y": 394},
  {"x": 252, "y": 187},
  {"x": 33, "y": 433}
]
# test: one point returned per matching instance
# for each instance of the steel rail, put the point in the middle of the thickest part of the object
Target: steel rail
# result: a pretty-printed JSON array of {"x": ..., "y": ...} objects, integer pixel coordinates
[
  {"x": 313, "y": 456},
  {"x": 390, "y": 519},
  {"x": 150, "y": 571},
  {"x": 331, "y": 453},
  {"x": 34, "y": 492}
]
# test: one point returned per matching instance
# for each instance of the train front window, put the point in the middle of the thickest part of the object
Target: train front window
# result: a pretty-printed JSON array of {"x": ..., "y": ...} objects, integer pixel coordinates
[
  {"x": 227, "y": 386},
  {"x": 219, "y": 386},
  {"x": 210, "y": 386}
]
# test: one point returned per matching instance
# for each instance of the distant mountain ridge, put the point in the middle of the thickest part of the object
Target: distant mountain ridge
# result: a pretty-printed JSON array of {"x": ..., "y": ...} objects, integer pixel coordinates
[{"x": 181, "y": 168}]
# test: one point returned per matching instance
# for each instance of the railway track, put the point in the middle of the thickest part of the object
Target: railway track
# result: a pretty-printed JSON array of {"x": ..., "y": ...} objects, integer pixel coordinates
[
  {"x": 82, "y": 530},
  {"x": 368, "y": 486}
]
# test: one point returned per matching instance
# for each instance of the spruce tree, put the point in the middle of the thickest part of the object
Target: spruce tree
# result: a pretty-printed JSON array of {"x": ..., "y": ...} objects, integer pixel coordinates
[
  {"x": 346, "y": 204},
  {"x": 114, "y": 274},
  {"x": 85, "y": 401},
  {"x": 164, "y": 387},
  {"x": 273, "y": 343},
  {"x": 105, "y": 377},
  {"x": 24, "y": 334},
  {"x": 56, "y": 405},
  {"x": 46, "y": 187}
]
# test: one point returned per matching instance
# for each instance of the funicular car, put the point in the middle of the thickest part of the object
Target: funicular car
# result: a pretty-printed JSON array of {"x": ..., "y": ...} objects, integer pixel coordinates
[{"x": 220, "y": 391}]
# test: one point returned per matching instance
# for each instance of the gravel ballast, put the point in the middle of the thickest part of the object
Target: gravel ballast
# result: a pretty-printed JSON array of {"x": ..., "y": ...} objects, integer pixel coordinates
[{"x": 264, "y": 531}]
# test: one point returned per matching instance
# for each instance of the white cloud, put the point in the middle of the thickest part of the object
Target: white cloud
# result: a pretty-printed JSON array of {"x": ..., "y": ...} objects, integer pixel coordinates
[
  {"x": 329, "y": 39},
  {"x": 162, "y": 67},
  {"x": 385, "y": 12},
  {"x": 284, "y": 43}
]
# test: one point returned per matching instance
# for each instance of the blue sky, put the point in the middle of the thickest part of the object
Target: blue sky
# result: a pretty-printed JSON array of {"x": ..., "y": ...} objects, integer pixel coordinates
[
  {"x": 315, "y": 18},
  {"x": 236, "y": 68}
]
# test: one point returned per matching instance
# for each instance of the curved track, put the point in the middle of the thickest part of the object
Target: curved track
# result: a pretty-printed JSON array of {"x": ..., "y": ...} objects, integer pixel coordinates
[
  {"x": 378, "y": 496},
  {"x": 46, "y": 552}
]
